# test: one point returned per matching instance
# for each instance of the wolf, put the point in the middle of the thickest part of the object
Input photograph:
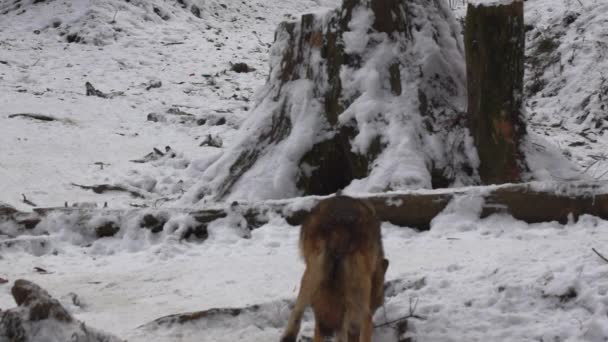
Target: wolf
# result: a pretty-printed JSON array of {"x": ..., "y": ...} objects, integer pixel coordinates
[{"x": 341, "y": 244}]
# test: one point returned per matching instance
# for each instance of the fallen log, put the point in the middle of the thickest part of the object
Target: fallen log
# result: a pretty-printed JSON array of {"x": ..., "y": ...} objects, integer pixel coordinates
[{"x": 530, "y": 202}]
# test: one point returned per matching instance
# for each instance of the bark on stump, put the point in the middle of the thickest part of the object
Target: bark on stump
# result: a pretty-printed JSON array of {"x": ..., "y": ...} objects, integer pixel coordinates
[{"x": 494, "y": 43}]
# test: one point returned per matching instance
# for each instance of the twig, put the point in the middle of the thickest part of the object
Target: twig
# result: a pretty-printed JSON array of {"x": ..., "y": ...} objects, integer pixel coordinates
[
  {"x": 28, "y": 202},
  {"x": 411, "y": 314},
  {"x": 590, "y": 166},
  {"x": 598, "y": 254},
  {"x": 33, "y": 116},
  {"x": 114, "y": 18},
  {"x": 404, "y": 318}
]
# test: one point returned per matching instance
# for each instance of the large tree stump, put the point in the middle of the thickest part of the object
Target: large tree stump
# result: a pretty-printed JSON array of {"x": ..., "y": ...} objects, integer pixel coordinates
[
  {"x": 494, "y": 45},
  {"x": 354, "y": 99}
]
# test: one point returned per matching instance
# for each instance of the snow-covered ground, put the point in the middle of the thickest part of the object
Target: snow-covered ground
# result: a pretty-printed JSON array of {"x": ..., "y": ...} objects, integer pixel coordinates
[
  {"x": 494, "y": 279},
  {"x": 128, "y": 46}
]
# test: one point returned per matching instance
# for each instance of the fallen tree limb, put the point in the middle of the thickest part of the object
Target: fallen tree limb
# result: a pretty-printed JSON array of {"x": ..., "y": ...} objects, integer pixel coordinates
[
  {"x": 598, "y": 254},
  {"x": 103, "y": 188},
  {"x": 28, "y": 202},
  {"x": 33, "y": 116}
]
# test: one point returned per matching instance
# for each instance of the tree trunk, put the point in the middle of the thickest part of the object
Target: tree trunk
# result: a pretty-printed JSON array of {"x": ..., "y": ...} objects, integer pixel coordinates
[{"x": 494, "y": 45}]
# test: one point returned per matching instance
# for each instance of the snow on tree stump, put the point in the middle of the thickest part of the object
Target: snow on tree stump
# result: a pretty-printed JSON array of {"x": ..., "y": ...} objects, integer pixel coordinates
[
  {"x": 494, "y": 43},
  {"x": 365, "y": 98}
]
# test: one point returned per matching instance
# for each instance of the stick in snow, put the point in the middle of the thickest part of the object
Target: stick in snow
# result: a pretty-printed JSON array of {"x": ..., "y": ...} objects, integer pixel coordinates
[
  {"x": 33, "y": 116},
  {"x": 28, "y": 202},
  {"x": 598, "y": 254}
]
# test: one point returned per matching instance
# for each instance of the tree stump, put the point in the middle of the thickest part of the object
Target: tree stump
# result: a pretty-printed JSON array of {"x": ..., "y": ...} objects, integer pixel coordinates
[
  {"x": 367, "y": 97},
  {"x": 494, "y": 47}
]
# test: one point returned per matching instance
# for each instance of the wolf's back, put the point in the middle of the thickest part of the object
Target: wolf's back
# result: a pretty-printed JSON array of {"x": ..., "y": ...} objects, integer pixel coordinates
[{"x": 339, "y": 227}]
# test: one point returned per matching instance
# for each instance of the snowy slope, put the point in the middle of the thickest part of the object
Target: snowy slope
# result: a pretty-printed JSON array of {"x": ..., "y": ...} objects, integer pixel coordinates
[{"x": 124, "y": 46}]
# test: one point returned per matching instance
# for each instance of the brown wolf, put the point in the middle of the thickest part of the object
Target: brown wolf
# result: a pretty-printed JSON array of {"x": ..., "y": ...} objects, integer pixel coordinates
[{"x": 341, "y": 244}]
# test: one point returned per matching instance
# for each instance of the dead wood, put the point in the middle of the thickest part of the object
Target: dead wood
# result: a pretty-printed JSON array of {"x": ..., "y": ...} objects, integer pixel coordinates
[
  {"x": 103, "y": 188},
  {"x": 91, "y": 91},
  {"x": 33, "y": 116},
  {"x": 598, "y": 254},
  {"x": 28, "y": 202},
  {"x": 559, "y": 202}
]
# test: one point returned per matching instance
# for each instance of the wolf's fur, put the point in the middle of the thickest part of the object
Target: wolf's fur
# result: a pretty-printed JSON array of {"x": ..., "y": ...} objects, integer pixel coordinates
[{"x": 341, "y": 245}]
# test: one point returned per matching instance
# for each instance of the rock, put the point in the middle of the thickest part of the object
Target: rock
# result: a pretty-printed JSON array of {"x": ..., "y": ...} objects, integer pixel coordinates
[
  {"x": 73, "y": 38},
  {"x": 40, "y": 317},
  {"x": 154, "y": 223},
  {"x": 212, "y": 141},
  {"x": 241, "y": 68},
  {"x": 154, "y": 84},
  {"x": 220, "y": 122},
  {"x": 40, "y": 304},
  {"x": 196, "y": 11},
  {"x": 155, "y": 117},
  {"x": 107, "y": 229},
  {"x": 11, "y": 327},
  {"x": 199, "y": 231}
]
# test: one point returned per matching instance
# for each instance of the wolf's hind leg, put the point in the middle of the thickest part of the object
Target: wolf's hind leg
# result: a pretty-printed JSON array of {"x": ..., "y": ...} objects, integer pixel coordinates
[{"x": 295, "y": 319}]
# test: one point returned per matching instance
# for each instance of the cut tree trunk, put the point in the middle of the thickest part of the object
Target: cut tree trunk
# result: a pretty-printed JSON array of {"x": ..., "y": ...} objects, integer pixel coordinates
[
  {"x": 336, "y": 111},
  {"x": 494, "y": 44}
]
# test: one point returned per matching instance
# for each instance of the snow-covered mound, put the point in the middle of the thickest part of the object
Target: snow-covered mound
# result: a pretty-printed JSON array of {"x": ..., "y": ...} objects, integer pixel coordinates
[{"x": 399, "y": 97}]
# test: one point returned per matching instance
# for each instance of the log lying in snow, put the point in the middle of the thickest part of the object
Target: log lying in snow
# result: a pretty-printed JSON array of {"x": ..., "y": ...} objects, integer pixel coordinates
[
  {"x": 531, "y": 203},
  {"x": 523, "y": 202}
]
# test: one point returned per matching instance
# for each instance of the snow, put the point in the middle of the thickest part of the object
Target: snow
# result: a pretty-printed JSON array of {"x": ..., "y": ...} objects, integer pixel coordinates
[
  {"x": 491, "y": 279},
  {"x": 496, "y": 278},
  {"x": 492, "y": 2},
  {"x": 46, "y": 75}
]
